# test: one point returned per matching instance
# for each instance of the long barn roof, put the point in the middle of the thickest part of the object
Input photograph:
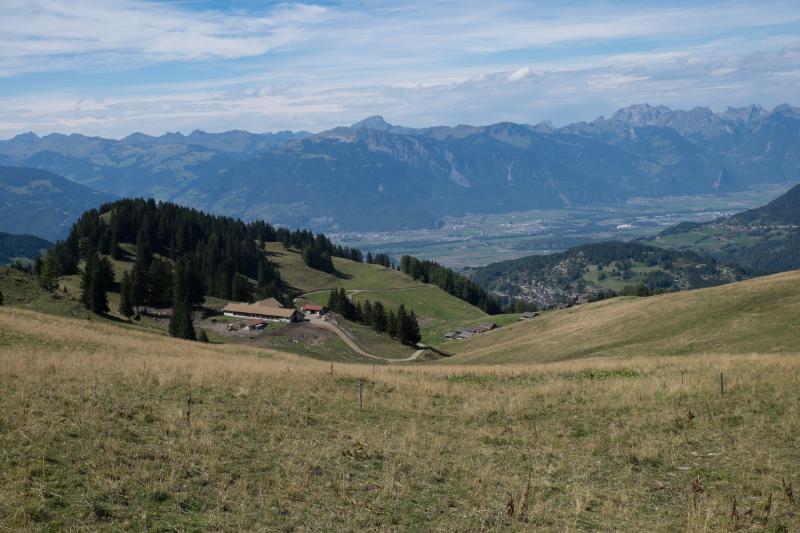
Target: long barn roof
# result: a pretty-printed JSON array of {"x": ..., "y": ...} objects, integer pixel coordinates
[{"x": 259, "y": 310}]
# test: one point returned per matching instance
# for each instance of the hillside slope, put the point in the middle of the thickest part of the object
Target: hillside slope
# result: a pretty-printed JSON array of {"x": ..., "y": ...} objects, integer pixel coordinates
[
  {"x": 437, "y": 310},
  {"x": 105, "y": 428},
  {"x": 764, "y": 240},
  {"x": 595, "y": 271},
  {"x": 14, "y": 247},
  {"x": 40, "y": 203},
  {"x": 757, "y": 315}
]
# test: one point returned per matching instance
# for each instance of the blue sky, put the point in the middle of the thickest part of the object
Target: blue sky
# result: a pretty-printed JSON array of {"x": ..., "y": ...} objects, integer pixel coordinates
[{"x": 112, "y": 67}]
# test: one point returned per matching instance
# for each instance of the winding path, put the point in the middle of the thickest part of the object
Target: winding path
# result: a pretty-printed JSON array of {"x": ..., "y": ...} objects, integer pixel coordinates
[{"x": 349, "y": 341}]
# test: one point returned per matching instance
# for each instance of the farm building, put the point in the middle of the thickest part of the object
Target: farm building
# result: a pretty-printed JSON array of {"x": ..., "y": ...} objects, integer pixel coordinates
[
  {"x": 469, "y": 332},
  {"x": 269, "y": 309},
  {"x": 314, "y": 309},
  {"x": 256, "y": 325}
]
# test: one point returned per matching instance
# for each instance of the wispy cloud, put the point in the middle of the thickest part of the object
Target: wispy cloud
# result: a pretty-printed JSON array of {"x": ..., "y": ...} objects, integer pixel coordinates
[
  {"x": 110, "y": 67},
  {"x": 50, "y": 34}
]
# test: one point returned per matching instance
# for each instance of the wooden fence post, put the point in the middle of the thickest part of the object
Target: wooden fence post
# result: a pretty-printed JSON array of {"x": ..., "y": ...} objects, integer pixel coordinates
[
  {"x": 721, "y": 384},
  {"x": 361, "y": 394}
]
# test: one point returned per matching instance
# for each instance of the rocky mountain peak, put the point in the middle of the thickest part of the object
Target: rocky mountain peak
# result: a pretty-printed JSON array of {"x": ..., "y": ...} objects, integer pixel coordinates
[
  {"x": 375, "y": 122},
  {"x": 643, "y": 115}
]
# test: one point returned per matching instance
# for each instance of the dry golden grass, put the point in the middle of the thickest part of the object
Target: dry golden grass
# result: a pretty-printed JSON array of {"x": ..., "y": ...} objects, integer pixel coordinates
[
  {"x": 97, "y": 431},
  {"x": 758, "y": 315}
]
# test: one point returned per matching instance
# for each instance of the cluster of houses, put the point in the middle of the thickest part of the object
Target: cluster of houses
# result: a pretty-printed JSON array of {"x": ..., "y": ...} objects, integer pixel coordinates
[
  {"x": 469, "y": 332},
  {"x": 270, "y": 310}
]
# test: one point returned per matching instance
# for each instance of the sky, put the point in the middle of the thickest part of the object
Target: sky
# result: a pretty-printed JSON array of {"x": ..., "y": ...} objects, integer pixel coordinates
[{"x": 113, "y": 67}]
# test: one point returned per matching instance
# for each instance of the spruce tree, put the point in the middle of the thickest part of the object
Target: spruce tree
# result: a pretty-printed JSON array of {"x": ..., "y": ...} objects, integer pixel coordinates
[
  {"x": 2, "y": 299},
  {"x": 140, "y": 290},
  {"x": 159, "y": 283},
  {"x": 202, "y": 336},
  {"x": 367, "y": 315},
  {"x": 379, "y": 319},
  {"x": 125, "y": 303},
  {"x": 333, "y": 301},
  {"x": 48, "y": 273},
  {"x": 401, "y": 325},
  {"x": 94, "y": 279},
  {"x": 391, "y": 324},
  {"x": 180, "y": 324},
  {"x": 412, "y": 329},
  {"x": 241, "y": 288}
]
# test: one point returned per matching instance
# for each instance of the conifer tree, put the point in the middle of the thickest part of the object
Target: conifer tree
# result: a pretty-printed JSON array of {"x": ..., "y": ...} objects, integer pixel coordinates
[
  {"x": 333, "y": 301},
  {"x": 367, "y": 315},
  {"x": 140, "y": 289},
  {"x": 412, "y": 329},
  {"x": 379, "y": 319},
  {"x": 391, "y": 324},
  {"x": 94, "y": 279},
  {"x": 401, "y": 325},
  {"x": 241, "y": 288},
  {"x": 159, "y": 283},
  {"x": 180, "y": 324},
  {"x": 125, "y": 303},
  {"x": 48, "y": 273},
  {"x": 202, "y": 336}
]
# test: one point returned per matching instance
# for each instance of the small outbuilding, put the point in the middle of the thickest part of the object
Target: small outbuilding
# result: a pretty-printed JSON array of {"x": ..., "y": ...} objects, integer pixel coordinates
[
  {"x": 255, "y": 325},
  {"x": 315, "y": 310}
]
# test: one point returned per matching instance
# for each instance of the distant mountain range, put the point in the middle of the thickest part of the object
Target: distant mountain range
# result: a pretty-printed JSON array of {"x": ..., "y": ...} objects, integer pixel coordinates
[
  {"x": 37, "y": 202},
  {"x": 374, "y": 175}
]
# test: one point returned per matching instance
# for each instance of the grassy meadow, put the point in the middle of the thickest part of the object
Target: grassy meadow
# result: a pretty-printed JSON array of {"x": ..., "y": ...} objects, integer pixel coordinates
[
  {"x": 753, "y": 316},
  {"x": 351, "y": 275},
  {"x": 109, "y": 428}
]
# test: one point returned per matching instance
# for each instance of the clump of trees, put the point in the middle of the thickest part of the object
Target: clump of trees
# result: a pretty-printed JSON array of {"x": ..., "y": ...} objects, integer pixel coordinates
[
  {"x": 380, "y": 259},
  {"x": 96, "y": 279},
  {"x": 317, "y": 257},
  {"x": 401, "y": 325},
  {"x": 451, "y": 282}
]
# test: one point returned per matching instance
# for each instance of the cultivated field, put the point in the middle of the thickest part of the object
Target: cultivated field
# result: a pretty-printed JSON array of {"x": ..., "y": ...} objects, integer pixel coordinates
[{"x": 109, "y": 428}]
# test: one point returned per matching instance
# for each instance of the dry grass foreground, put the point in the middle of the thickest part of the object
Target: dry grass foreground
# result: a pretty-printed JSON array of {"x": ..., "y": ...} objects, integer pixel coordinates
[
  {"x": 107, "y": 428},
  {"x": 753, "y": 316}
]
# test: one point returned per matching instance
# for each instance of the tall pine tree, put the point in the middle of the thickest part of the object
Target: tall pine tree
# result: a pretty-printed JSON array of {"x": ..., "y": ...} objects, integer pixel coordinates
[
  {"x": 180, "y": 324},
  {"x": 94, "y": 282},
  {"x": 125, "y": 302}
]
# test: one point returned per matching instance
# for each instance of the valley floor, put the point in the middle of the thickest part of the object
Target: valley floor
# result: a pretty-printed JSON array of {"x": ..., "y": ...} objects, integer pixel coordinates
[{"x": 104, "y": 427}]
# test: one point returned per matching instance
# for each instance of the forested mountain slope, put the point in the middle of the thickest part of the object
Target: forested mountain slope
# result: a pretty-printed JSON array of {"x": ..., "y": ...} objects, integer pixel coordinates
[
  {"x": 597, "y": 271},
  {"x": 764, "y": 240}
]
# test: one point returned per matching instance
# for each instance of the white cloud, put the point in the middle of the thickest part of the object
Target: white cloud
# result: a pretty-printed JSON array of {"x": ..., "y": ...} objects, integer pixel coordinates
[
  {"x": 39, "y": 35},
  {"x": 303, "y": 66}
]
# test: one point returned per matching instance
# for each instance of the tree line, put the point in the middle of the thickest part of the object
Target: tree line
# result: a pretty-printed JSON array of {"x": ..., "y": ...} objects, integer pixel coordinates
[{"x": 401, "y": 325}]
